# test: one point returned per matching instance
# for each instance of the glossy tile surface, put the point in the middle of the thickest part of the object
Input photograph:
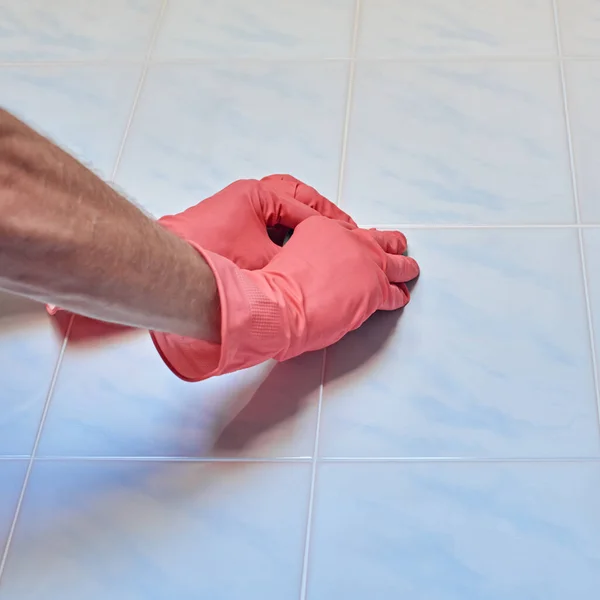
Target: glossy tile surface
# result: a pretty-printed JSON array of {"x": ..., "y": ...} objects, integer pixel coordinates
[
  {"x": 490, "y": 358},
  {"x": 12, "y": 474},
  {"x": 29, "y": 350},
  {"x": 119, "y": 399},
  {"x": 37, "y": 30},
  {"x": 580, "y": 27},
  {"x": 458, "y": 143},
  {"x": 457, "y": 442},
  {"x": 84, "y": 109},
  {"x": 591, "y": 238},
  {"x": 448, "y": 531},
  {"x": 584, "y": 95},
  {"x": 177, "y": 155},
  {"x": 460, "y": 28},
  {"x": 138, "y": 530},
  {"x": 266, "y": 29}
]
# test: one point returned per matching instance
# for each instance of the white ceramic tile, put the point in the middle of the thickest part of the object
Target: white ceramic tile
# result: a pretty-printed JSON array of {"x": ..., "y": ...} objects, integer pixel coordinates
[
  {"x": 83, "y": 109},
  {"x": 198, "y": 128},
  {"x": 159, "y": 531},
  {"x": 490, "y": 359},
  {"x": 405, "y": 28},
  {"x": 259, "y": 29},
  {"x": 72, "y": 30},
  {"x": 458, "y": 143},
  {"x": 28, "y": 353},
  {"x": 451, "y": 531},
  {"x": 580, "y": 27},
  {"x": 592, "y": 255},
  {"x": 583, "y": 80},
  {"x": 12, "y": 474},
  {"x": 118, "y": 399}
]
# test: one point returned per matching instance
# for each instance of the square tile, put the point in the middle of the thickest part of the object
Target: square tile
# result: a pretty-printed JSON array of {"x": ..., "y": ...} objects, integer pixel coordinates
[
  {"x": 458, "y": 143},
  {"x": 591, "y": 239},
  {"x": 37, "y": 30},
  {"x": 404, "y": 28},
  {"x": 580, "y": 27},
  {"x": 200, "y": 127},
  {"x": 490, "y": 359},
  {"x": 583, "y": 81},
  {"x": 29, "y": 350},
  {"x": 260, "y": 29},
  {"x": 450, "y": 531},
  {"x": 83, "y": 109},
  {"x": 119, "y": 399},
  {"x": 160, "y": 531},
  {"x": 12, "y": 475}
]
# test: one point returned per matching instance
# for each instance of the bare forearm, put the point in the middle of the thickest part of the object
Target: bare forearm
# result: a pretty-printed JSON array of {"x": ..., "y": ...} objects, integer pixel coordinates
[{"x": 67, "y": 238}]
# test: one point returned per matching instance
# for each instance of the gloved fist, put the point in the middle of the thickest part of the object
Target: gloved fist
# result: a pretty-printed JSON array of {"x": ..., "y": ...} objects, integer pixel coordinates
[
  {"x": 232, "y": 223},
  {"x": 328, "y": 280}
]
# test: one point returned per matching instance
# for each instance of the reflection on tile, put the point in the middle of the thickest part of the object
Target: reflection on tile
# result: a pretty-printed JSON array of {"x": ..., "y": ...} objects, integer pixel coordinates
[
  {"x": 12, "y": 474},
  {"x": 120, "y": 400},
  {"x": 28, "y": 352},
  {"x": 458, "y": 143},
  {"x": 462, "y": 27},
  {"x": 450, "y": 531},
  {"x": 580, "y": 27},
  {"x": 490, "y": 359},
  {"x": 261, "y": 29},
  {"x": 200, "y": 127},
  {"x": 160, "y": 531},
  {"x": 84, "y": 109},
  {"x": 73, "y": 30},
  {"x": 592, "y": 254},
  {"x": 583, "y": 80}
]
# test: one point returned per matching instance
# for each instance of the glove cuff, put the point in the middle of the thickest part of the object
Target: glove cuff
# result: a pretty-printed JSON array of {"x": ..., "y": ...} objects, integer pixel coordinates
[{"x": 254, "y": 325}]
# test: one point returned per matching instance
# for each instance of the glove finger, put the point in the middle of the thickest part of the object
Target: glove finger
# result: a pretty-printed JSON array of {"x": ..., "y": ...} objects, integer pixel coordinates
[
  {"x": 400, "y": 269},
  {"x": 397, "y": 297},
  {"x": 291, "y": 212},
  {"x": 290, "y": 202},
  {"x": 392, "y": 242},
  {"x": 310, "y": 197}
]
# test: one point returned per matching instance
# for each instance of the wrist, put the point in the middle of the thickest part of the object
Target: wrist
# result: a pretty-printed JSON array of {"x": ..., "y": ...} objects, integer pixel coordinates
[{"x": 257, "y": 323}]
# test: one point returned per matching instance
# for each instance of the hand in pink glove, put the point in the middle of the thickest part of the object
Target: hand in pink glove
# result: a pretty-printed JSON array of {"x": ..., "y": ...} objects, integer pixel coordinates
[
  {"x": 232, "y": 223},
  {"x": 328, "y": 279}
]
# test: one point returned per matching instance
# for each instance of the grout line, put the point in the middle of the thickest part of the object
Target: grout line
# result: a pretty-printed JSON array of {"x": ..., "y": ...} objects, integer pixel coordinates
[
  {"x": 458, "y": 459},
  {"x": 169, "y": 459},
  {"x": 57, "y": 367},
  {"x": 313, "y": 483},
  {"x": 588, "y": 304},
  {"x": 303, "y": 460},
  {"x": 292, "y": 59},
  {"x": 482, "y": 226},
  {"x": 138, "y": 91},
  {"x": 343, "y": 160},
  {"x": 457, "y": 58},
  {"x": 349, "y": 102},
  {"x": 35, "y": 64},
  {"x": 306, "y": 459},
  {"x": 38, "y": 437}
]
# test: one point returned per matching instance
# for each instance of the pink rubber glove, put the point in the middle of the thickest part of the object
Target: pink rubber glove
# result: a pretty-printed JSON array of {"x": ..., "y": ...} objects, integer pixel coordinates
[
  {"x": 232, "y": 223},
  {"x": 328, "y": 280}
]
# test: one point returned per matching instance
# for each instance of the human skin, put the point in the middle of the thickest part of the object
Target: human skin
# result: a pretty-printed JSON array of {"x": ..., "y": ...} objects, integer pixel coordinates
[{"x": 68, "y": 239}]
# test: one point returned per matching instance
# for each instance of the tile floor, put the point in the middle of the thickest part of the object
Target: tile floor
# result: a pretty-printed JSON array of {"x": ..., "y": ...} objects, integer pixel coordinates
[{"x": 449, "y": 452}]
